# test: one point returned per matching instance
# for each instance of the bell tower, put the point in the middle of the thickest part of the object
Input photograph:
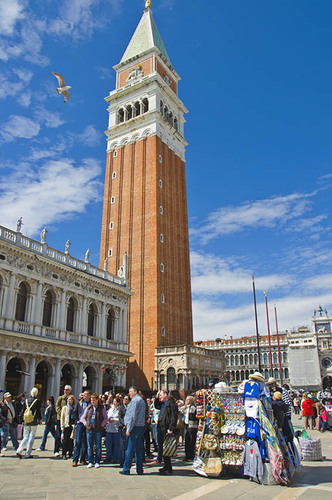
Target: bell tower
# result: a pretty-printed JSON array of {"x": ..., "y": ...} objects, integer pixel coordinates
[{"x": 145, "y": 201}]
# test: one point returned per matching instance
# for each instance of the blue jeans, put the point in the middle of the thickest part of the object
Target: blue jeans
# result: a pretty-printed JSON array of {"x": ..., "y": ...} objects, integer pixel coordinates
[
  {"x": 94, "y": 438},
  {"x": 135, "y": 446},
  {"x": 80, "y": 443},
  {"x": 48, "y": 429},
  {"x": 28, "y": 439},
  {"x": 6, "y": 431},
  {"x": 113, "y": 446}
]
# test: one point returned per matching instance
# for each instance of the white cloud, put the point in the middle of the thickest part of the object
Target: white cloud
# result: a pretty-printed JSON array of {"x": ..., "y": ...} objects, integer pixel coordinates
[
  {"x": 57, "y": 191},
  {"x": 319, "y": 282},
  {"x": 105, "y": 73},
  {"x": 213, "y": 275},
  {"x": 213, "y": 319},
  {"x": 267, "y": 213},
  {"x": 13, "y": 88},
  {"x": 10, "y": 12},
  {"x": 51, "y": 119},
  {"x": 89, "y": 137},
  {"x": 19, "y": 127},
  {"x": 79, "y": 18}
]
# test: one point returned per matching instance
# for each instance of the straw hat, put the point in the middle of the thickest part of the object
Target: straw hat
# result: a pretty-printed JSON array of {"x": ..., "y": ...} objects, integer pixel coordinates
[
  {"x": 277, "y": 396},
  {"x": 257, "y": 376},
  {"x": 271, "y": 381}
]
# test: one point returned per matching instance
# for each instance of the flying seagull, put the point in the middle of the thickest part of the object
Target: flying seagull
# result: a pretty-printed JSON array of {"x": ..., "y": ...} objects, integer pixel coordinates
[{"x": 63, "y": 88}]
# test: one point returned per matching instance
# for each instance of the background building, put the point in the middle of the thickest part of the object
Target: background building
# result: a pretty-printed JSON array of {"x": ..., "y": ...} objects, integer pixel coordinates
[
  {"x": 242, "y": 358},
  {"x": 145, "y": 201},
  {"x": 62, "y": 321},
  {"x": 187, "y": 367}
]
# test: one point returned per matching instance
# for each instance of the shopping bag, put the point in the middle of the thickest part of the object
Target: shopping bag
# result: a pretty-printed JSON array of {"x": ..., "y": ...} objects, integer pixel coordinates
[
  {"x": 169, "y": 445},
  {"x": 212, "y": 466}
]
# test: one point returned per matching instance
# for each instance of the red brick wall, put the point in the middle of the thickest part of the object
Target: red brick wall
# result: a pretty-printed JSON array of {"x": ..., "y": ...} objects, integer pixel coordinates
[
  {"x": 147, "y": 66},
  {"x": 137, "y": 228}
]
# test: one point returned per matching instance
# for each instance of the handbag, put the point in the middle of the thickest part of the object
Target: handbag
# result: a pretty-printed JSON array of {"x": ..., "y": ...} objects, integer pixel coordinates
[
  {"x": 169, "y": 445},
  {"x": 19, "y": 431}
]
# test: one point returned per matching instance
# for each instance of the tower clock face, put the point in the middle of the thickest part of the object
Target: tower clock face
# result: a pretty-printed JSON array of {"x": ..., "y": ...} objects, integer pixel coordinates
[{"x": 327, "y": 362}]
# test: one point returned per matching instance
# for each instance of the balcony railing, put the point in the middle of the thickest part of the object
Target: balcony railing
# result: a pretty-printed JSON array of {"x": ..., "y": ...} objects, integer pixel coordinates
[{"x": 62, "y": 335}]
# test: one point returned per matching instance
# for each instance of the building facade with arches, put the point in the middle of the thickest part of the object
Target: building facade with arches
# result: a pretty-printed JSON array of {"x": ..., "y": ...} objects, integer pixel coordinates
[
  {"x": 187, "y": 367},
  {"x": 62, "y": 320},
  {"x": 241, "y": 357}
]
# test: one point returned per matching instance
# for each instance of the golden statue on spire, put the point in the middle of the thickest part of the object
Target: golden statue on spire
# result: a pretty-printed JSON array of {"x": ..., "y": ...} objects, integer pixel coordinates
[{"x": 148, "y": 4}]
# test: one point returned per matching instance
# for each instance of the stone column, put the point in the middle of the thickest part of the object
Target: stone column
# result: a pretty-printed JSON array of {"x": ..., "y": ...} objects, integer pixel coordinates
[
  {"x": 99, "y": 380},
  {"x": 120, "y": 326},
  {"x": 117, "y": 312},
  {"x": 3, "y": 367},
  {"x": 79, "y": 380},
  {"x": 37, "y": 313},
  {"x": 57, "y": 377},
  {"x": 10, "y": 302},
  {"x": 29, "y": 381},
  {"x": 83, "y": 317},
  {"x": 62, "y": 315},
  {"x": 102, "y": 331},
  {"x": 125, "y": 325}
]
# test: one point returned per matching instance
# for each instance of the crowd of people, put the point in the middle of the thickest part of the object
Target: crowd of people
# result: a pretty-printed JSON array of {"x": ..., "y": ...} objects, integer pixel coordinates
[
  {"x": 124, "y": 427},
  {"x": 314, "y": 408}
]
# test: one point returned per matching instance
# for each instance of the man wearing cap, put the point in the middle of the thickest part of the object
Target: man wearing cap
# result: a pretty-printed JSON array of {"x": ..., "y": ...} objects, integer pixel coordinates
[
  {"x": 9, "y": 427},
  {"x": 272, "y": 385}
]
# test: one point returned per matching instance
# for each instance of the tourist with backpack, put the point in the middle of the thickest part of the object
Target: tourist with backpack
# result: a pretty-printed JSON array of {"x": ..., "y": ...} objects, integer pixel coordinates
[
  {"x": 50, "y": 423},
  {"x": 31, "y": 417}
]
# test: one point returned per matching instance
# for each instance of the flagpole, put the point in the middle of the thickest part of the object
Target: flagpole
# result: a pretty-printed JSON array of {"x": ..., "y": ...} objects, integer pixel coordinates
[
  {"x": 279, "y": 355},
  {"x": 256, "y": 322},
  {"x": 268, "y": 333}
]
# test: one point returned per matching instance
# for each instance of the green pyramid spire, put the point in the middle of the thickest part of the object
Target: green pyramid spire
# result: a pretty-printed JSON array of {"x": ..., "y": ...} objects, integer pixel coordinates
[{"x": 145, "y": 37}]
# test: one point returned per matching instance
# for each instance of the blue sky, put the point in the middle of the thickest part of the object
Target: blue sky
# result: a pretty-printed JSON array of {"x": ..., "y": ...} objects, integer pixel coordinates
[{"x": 257, "y": 80}]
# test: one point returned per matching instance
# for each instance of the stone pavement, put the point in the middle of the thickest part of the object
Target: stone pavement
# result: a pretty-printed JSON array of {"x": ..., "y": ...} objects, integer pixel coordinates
[{"x": 49, "y": 478}]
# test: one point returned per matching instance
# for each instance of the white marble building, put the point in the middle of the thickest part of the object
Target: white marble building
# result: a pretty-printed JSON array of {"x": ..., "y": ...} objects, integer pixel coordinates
[{"x": 62, "y": 320}]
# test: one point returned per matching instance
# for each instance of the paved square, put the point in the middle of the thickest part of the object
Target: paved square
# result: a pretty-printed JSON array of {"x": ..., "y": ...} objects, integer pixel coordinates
[{"x": 54, "y": 479}]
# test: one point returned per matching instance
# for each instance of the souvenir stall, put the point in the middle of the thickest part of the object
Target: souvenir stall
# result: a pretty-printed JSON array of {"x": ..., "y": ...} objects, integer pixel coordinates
[
  {"x": 237, "y": 434},
  {"x": 221, "y": 432}
]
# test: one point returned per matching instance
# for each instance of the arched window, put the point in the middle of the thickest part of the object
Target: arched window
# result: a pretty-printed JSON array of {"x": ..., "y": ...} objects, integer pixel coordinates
[
  {"x": 232, "y": 360},
  {"x": 170, "y": 118},
  {"x": 137, "y": 108},
  {"x": 92, "y": 320},
  {"x": 284, "y": 357},
  {"x": 120, "y": 116},
  {"x": 276, "y": 373},
  {"x": 227, "y": 360},
  {"x": 161, "y": 107},
  {"x": 145, "y": 105},
  {"x": 275, "y": 357},
  {"x": 246, "y": 359},
  {"x": 256, "y": 359},
  {"x": 265, "y": 358},
  {"x": 266, "y": 374},
  {"x": 241, "y": 359},
  {"x": 286, "y": 372},
  {"x": 176, "y": 124},
  {"x": 48, "y": 307},
  {"x": 129, "y": 112},
  {"x": 71, "y": 313},
  {"x": 251, "y": 359},
  {"x": 110, "y": 324},
  {"x": 21, "y": 302},
  {"x": 236, "y": 359},
  {"x": 171, "y": 377}
]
